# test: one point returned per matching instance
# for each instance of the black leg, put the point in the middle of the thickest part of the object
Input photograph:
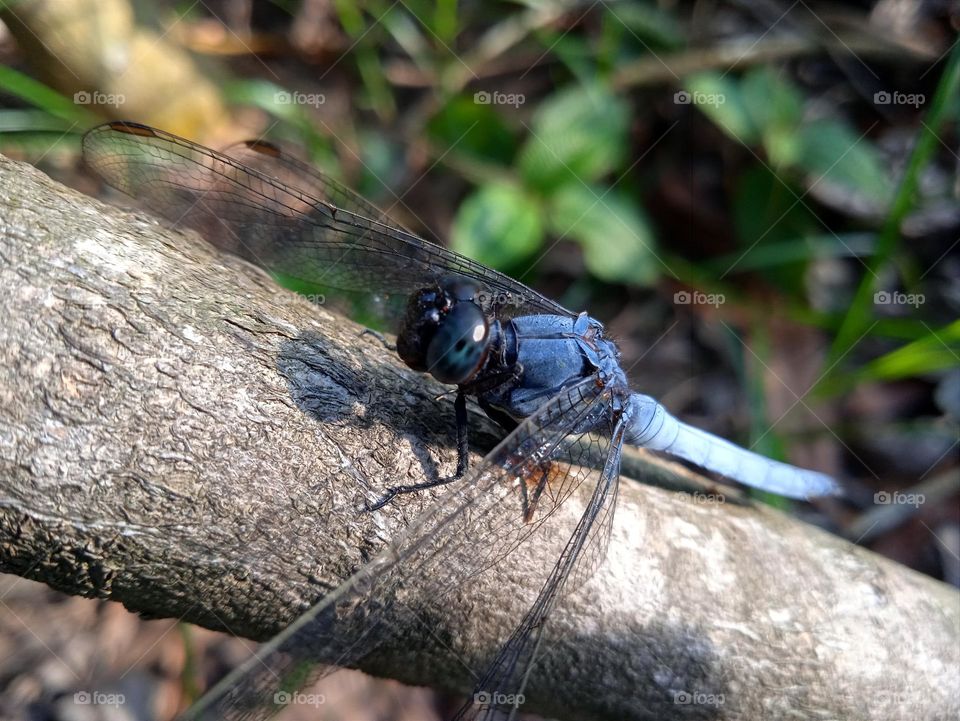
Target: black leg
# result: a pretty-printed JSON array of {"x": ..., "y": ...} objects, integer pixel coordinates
[
  {"x": 379, "y": 336},
  {"x": 463, "y": 459},
  {"x": 529, "y": 500},
  {"x": 463, "y": 450},
  {"x": 499, "y": 417},
  {"x": 495, "y": 380}
]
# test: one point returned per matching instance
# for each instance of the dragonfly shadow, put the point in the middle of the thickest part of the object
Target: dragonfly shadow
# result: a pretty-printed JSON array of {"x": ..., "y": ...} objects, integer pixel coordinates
[
  {"x": 680, "y": 674},
  {"x": 640, "y": 672},
  {"x": 376, "y": 410}
]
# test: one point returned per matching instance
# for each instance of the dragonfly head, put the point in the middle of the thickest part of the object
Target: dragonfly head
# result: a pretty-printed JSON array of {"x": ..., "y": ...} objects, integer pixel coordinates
[{"x": 444, "y": 333}]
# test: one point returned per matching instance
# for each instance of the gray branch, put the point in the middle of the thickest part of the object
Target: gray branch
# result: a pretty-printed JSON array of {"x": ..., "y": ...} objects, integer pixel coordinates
[{"x": 179, "y": 434}]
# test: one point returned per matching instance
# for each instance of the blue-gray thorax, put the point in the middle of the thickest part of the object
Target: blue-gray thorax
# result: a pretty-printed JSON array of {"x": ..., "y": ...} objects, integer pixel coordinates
[{"x": 554, "y": 352}]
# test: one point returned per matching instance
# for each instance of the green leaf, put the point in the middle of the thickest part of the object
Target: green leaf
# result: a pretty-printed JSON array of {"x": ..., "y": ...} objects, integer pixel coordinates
[
  {"x": 938, "y": 115},
  {"x": 779, "y": 253},
  {"x": 274, "y": 99},
  {"x": 766, "y": 213},
  {"x": 770, "y": 99},
  {"x": 935, "y": 352},
  {"x": 382, "y": 167},
  {"x": 499, "y": 225},
  {"x": 41, "y": 96},
  {"x": 720, "y": 99},
  {"x": 615, "y": 235},
  {"x": 647, "y": 24},
  {"x": 831, "y": 152},
  {"x": 576, "y": 135},
  {"x": 473, "y": 128},
  {"x": 776, "y": 109}
]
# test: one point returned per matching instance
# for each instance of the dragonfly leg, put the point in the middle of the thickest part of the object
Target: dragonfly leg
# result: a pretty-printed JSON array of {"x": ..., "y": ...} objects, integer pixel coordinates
[
  {"x": 530, "y": 489},
  {"x": 463, "y": 449},
  {"x": 463, "y": 459},
  {"x": 380, "y": 337},
  {"x": 499, "y": 417},
  {"x": 492, "y": 381}
]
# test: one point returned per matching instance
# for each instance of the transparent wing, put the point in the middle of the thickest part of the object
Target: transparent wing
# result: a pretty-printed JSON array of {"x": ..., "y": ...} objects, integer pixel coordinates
[
  {"x": 513, "y": 497},
  {"x": 294, "y": 229},
  {"x": 501, "y": 688},
  {"x": 267, "y": 158}
]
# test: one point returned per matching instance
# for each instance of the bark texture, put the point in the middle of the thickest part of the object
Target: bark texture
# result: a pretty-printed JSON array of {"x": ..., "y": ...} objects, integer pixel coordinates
[{"x": 179, "y": 434}]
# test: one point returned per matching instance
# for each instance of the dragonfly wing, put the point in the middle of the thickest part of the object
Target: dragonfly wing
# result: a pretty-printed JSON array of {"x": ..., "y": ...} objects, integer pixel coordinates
[
  {"x": 502, "y": 687},
  {"x": 285, "y": 228},
  {"x": 279, "y": 164},
  {"x": 512, "y": 498}
]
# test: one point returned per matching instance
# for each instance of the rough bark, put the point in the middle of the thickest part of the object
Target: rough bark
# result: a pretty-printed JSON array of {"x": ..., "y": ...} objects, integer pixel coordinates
[{"x": 180, "y": 435}]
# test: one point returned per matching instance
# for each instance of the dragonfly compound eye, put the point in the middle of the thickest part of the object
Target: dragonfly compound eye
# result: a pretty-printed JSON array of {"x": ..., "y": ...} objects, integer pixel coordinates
[{"x": 459, "y": 345}]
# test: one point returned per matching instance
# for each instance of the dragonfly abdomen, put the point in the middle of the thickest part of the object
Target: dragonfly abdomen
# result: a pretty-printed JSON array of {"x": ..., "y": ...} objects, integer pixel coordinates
[{"x": 651, "y": 426}]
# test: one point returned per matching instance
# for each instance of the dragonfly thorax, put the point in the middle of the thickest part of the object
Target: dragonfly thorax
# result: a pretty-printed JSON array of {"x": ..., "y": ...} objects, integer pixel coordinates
[{"x": 444, "y": 333}]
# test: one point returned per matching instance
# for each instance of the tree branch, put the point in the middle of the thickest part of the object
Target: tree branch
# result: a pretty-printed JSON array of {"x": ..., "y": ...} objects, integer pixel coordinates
[{"x": 180, "y": 435}]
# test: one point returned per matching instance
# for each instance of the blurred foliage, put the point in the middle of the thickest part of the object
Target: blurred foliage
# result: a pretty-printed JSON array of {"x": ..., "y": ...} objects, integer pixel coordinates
[
  {"x": 766, "y": 110},
  {"x": 618, "y": 156},
  {"x": 564, "y": 123}
]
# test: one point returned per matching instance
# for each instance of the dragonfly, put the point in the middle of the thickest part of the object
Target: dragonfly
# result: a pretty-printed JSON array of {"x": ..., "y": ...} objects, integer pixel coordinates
[{"x": 550, "y": 377}]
